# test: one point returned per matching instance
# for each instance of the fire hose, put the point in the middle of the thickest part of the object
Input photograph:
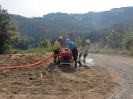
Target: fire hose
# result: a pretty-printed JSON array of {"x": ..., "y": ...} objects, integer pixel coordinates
[{"x": 29, "y": 65}]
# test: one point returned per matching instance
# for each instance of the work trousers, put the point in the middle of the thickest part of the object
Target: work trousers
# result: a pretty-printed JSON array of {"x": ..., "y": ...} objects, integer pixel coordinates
[
  {"x": 84, "y": 57},
  {"x": 75, "y": 54},
  {"x": 55, "y": 57}
]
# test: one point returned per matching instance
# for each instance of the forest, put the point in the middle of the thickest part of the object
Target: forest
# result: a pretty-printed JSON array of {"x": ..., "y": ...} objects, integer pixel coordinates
[{"x": 113, "y": 28}]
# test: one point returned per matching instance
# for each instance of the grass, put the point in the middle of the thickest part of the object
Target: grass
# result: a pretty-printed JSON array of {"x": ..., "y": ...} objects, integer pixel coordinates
[
  {"x": 93, "y": 49},
  {"x": 96, "y": 49},
  {"x": 33, "y": 51}
]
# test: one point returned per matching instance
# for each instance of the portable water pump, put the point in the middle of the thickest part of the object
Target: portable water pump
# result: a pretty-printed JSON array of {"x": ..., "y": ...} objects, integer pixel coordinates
[{"x": 66, "y": 57}]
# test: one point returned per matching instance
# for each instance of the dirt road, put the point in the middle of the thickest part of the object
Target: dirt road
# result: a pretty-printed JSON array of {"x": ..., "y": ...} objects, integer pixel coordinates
[{"x": 123, "y": 66}]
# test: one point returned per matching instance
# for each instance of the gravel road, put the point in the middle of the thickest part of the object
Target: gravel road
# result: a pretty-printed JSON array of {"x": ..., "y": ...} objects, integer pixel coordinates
[{"x": 123, "y": 66}]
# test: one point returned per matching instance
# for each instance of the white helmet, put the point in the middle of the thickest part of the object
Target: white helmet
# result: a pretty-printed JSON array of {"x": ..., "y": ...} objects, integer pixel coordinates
[
  {"x": 87, "y": 41},
  {"x": 67, "y": 40},
  {"x": 60, "y": 37}
]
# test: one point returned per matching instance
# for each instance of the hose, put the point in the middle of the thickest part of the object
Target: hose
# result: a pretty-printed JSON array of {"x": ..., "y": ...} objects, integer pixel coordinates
[{"x": 29, "y": 65}]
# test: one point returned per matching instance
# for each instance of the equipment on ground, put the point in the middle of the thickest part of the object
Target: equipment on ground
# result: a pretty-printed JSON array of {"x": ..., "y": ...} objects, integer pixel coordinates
[{"x": 66, "y": 57}]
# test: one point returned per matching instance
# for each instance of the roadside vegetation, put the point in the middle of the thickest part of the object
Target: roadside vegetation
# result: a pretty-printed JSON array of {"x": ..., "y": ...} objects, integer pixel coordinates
[{"x": 110, "y": 51}]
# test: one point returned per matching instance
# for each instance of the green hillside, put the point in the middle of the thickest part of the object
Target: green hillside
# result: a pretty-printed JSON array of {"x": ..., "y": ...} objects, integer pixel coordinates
[{"x": 93, "y": 25}]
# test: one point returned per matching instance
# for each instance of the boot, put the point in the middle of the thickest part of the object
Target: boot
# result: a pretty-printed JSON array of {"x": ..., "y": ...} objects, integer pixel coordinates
[
  {"x": 54, "y": 61},
  {"x": 79, "y": 63},
  {"x": 75, "y": 64},
  {"x": 58, "y": 63},
  {"x": 84, "y": 62}
]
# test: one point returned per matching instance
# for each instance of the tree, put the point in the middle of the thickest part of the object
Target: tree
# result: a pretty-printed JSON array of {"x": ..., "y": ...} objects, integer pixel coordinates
[
  {"x": 78, "y": 41},
  {"x": 9, "y": 35},
  {"x": 104, "y": 42},
  {"x": 128, "y": 41},
  {"x": 120, "y": 28},
  {"x": 46, "y": 43},
  {"x": 113, "y": 40}
]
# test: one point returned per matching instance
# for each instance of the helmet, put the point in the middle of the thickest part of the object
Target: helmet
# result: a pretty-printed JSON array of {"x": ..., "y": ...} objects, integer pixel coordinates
[
  {"x": 60, "y": 37},
  {"x": 87, "y": 41},
  {"x": 67, "y": 40}
]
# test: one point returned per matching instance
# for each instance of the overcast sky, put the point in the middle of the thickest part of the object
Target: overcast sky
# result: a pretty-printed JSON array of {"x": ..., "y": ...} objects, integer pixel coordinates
[{"x": 38, "y": 8}]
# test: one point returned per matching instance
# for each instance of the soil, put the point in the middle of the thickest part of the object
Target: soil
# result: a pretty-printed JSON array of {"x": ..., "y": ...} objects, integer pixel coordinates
[{"x": 49, "y": 81}]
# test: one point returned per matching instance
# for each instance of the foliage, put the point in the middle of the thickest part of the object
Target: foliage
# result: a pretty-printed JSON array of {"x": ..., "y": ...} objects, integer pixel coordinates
[
  {"x": 9, "y": 35},
  {"x": 117, "y": 41},
  {"x": 91, "y": 25},
  {"x": 46, "y": 43},
  {"x": 120, "y": 28},
  {"x": 113, "y": 40},
  {"x": 104, "y": 42},
  {"x": 78, "y": 41},
  {"x": 96, "y": 49},
  {"x": 128, "y": 41},
  {"x": 27, "y": 42}
]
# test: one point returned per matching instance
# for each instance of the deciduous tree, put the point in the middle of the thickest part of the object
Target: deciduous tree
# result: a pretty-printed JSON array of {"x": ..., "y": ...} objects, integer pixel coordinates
[{"x": 9, "y": 35}]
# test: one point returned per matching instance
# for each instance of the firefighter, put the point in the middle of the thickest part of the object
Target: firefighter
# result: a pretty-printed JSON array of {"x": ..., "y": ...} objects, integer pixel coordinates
[
  {"x": 57, "y": 48},
  {"x": 85, "y": 47},
  {"x": 74, "y": 51}
]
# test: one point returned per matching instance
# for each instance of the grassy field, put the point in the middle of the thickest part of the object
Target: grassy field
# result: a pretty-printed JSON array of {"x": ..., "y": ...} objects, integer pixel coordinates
[{"x": 94, "y": 49}]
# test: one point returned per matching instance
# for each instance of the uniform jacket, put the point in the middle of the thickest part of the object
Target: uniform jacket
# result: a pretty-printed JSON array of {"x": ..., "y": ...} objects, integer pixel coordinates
[{"x": 84, "y": 48}]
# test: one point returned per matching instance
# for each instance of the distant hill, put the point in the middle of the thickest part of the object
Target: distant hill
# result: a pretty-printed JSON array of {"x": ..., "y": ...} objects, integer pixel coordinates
[
  {"x": 64, "y": 22},
  {"x": 54, "y": 24},
  {"x": 96, "y": 20}
]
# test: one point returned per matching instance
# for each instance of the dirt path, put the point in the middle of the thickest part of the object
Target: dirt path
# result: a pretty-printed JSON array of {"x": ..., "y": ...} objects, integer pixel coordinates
[{"x": 124, "y": 67}]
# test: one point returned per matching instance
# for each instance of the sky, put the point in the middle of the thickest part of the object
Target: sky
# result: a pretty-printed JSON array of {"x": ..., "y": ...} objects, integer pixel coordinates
[{"x": 38, "y": 8}]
